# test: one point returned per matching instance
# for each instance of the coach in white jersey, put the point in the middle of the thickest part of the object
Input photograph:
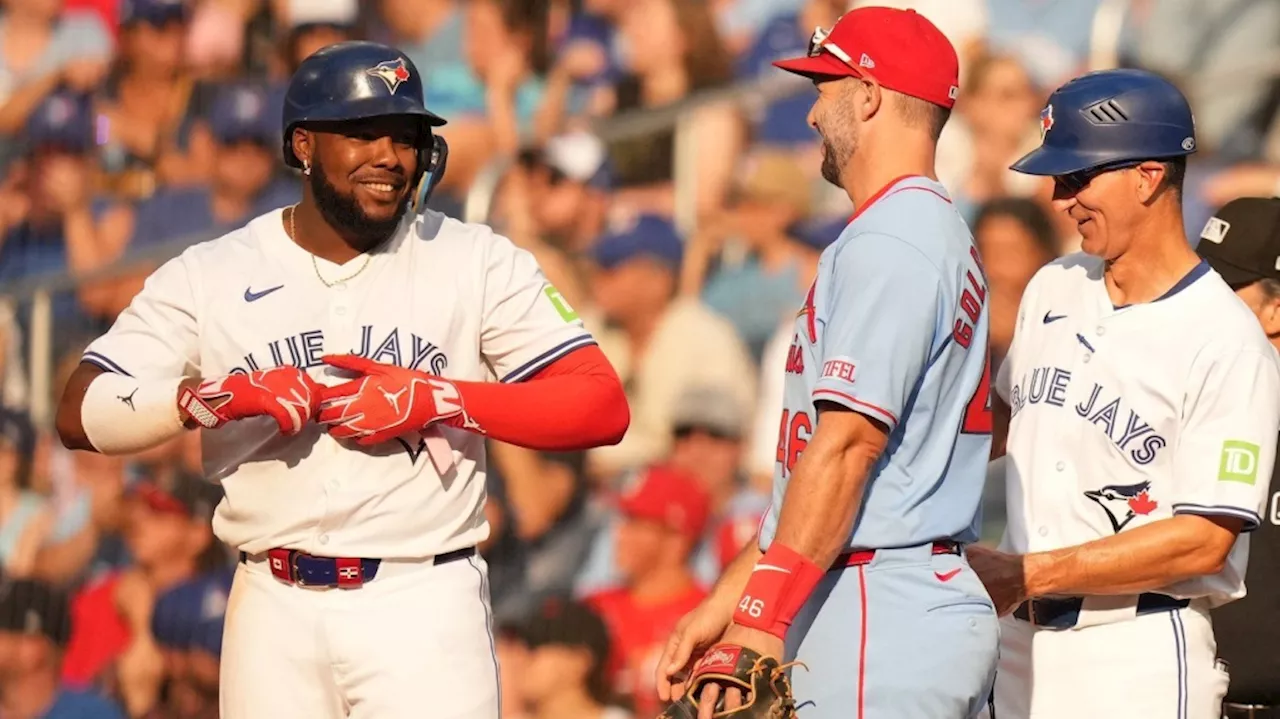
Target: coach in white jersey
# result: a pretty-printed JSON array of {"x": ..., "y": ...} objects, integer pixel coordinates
[
  {"x": 337, "y": 356},
  {"x": 1142, "y": 398}
]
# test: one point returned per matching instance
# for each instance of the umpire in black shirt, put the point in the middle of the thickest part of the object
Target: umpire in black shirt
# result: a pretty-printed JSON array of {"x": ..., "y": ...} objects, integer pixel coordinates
[{"x": 1242, "y": 243}]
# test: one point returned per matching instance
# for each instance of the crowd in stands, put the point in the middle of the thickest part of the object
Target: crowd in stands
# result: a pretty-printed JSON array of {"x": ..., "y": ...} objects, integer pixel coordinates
[{"x": 129, "y": 128}]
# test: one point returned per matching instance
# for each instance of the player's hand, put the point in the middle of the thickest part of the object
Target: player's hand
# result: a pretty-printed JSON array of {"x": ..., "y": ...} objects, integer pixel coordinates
[
  {"x": 763, "y": 642},
  {"x": 286, "y": 394},
  {"x": 693, "y": 635},
  {"x": 385, "y": 402},
  {"x": 1002, "y": 574}
]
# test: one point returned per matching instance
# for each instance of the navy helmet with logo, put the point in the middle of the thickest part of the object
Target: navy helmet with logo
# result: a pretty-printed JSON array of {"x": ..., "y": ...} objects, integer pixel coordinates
[
  {"x": 1109, "y": 118},
  {"x": 359, "y": 80}
]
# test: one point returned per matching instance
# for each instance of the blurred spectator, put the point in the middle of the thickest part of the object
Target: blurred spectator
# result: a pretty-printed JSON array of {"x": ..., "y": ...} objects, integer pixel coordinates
[
  {"x": 244, "y": 132},
  {"x": 674, "y": 50},
  {"x": 24, "y": 515},
  {"x": 187, "y": 625},
  {"x": 664, "y": 515},
  {"x": 314, "y": 24},
  {"x": 1219, "y": 51},
  {"x": 1050, "y": 39},
  {"x": 997, "y": 120},
  {"x": 168, "y": 534},
  {"x": 1015, "y": 238},
  {"x": 564, "y": 674},
  {"x": 784, "y": 122},
  {"x": 587, "y": 61},
  {"x": 34, "y": 628},
  {"x": 42, "y": 48},
  {"x": 539, "y": 532},
  {"x": 513, "y": 658},
  {"x": 1246, "y": 180},
  {"x": 660, "y": 345},
  {"x": 146, "y": 100},
  {"x": 754, "y": 292},
  {"x": 742, "y": 21},
  {"x": 708, "y": 446},
  {"x": 47, "y": 223}
]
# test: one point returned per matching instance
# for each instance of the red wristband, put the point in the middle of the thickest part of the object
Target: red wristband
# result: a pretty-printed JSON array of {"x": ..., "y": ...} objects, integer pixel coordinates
[{"x": 779, "y": 586}]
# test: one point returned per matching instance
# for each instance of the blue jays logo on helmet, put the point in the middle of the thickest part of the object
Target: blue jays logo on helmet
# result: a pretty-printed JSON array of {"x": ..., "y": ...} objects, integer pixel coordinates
[
  {"x": 1123, "y": 502},
  {"x": 392, "y": 72},
  {"x": 1046, "y": 120}
]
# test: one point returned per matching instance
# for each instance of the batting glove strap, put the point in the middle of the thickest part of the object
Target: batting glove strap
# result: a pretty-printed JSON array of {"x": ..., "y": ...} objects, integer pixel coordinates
[{"x": 199, "y": 410}]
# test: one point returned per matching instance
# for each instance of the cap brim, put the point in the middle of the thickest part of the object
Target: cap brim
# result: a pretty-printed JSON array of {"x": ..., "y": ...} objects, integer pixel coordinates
[
  {"x": 1232, "y": 275},
  {"x": 822, "y": 64}
]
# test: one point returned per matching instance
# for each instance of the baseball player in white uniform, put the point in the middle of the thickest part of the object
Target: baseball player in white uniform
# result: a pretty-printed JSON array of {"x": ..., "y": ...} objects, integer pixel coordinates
[
  {"x": 1143, "y": 405},
  {"x": 339, "y": 356}
]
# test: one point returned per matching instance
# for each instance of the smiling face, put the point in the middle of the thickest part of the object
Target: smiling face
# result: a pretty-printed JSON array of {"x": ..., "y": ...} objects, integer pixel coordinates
[
  {"x": 1108, "y": 206},
  {"x": 362, "y": 172}
]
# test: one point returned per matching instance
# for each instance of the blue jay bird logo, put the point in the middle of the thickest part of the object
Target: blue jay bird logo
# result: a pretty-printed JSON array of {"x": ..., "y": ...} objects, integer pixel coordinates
[
  {"x": 1123, "y": 502},
  {"x": 392, "y": 72}
]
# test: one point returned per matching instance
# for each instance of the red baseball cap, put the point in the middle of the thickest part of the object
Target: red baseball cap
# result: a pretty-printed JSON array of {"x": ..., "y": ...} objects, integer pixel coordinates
[
  {"x": 900, "y": 49},
  {"x": 669, "y": 496}
]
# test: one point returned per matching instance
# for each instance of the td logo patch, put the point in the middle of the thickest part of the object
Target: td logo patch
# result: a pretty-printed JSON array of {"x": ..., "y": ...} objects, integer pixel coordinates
[{"x": 1239, "y": 462}]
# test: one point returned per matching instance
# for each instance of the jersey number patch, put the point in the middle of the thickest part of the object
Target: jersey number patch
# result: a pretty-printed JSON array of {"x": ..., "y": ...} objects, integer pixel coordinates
[
  {"x": 977, "y": 414},
  {"x": 793, "y": 436}
]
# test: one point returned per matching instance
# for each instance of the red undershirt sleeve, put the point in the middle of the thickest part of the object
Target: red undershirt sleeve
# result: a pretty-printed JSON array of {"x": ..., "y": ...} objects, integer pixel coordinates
[{"x": 574, "y": 403}]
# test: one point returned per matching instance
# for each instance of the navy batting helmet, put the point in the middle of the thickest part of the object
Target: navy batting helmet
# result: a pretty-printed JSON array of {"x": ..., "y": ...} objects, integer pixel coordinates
[
  {"x": 1109, "y": 118},
  {"x": 358, "y": 80}
]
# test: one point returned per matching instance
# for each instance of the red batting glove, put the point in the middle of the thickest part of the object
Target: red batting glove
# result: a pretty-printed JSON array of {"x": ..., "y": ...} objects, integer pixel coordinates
[
  {"x": 386, "y": 401},
  {"x": 286, "y": 394}
]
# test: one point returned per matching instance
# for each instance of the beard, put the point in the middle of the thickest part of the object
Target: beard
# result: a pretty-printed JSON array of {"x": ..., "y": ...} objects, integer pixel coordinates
[
  {"x": 836, "y": 154},
  {"x": 344, "y": 214}
]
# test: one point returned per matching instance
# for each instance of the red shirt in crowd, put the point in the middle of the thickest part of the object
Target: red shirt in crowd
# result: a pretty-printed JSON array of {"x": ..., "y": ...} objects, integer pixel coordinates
[
  {"x": 98, "y": 633},
  {"x": 639, "y": 633}
]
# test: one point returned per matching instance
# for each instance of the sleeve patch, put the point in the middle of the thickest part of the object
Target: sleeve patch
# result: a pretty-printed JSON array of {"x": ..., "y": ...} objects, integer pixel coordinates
[
  {"x": 1239, "y": 462},
  {"x": 567, "y": 313},
  {"x": 839, "y": 368}
]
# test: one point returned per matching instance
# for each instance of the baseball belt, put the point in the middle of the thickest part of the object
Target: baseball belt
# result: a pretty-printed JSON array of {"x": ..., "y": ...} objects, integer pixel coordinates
[
  {"x": 1063, "y": 613},
  {"x": 306, "y": 570},
  {"x": 864, "y": 556}
]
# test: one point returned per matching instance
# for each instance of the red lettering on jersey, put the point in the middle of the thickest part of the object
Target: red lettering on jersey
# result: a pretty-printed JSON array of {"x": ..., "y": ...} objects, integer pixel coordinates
[
  {"x": 977, "y": 414},
  {"x": 793, "y": 436},
  {"x": 838, "y": 369},
  {"x": 795, "y": 358},
  {"x": 971, "y": 300}
]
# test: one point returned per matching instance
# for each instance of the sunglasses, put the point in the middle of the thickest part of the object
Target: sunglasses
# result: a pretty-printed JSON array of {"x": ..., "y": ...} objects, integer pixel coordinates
[
  {"x": 821, "y": 40},
  {"x": 1076, "y": 181}
]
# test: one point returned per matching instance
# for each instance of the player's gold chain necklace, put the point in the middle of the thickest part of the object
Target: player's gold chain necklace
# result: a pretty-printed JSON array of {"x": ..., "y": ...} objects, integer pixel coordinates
[{"x": 293, "y": 234}]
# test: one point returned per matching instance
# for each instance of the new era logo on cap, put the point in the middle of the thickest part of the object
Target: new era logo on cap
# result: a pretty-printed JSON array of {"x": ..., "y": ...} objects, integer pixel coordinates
[
  {"x": 866, "y": 61},
  {"x": 1215, "y": 230}
]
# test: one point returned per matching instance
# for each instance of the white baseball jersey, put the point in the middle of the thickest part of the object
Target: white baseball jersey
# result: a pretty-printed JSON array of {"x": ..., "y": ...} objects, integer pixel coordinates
[
  {"x": 1126, "y": 415},
  {"x": 440, "y": 296}
]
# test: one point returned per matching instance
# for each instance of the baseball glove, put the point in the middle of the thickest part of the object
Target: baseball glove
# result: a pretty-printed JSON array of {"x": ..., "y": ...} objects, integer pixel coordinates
[{"x": 766, "y": 690}]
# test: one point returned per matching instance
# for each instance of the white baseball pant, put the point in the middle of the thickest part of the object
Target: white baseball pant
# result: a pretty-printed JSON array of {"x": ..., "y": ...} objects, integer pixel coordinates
[{"x": 415, "y": 641}]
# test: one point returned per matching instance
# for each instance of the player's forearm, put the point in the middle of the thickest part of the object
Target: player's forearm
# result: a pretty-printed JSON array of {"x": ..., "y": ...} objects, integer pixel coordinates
[
  {"x": 576, "y": 403},
  {"x": 1138, "y": 560},
  {"x": 824, "y": 495}
]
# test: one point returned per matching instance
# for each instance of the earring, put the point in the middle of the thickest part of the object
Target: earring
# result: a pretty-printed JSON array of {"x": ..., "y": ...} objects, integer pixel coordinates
[{"x": 306, "y": 167}]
